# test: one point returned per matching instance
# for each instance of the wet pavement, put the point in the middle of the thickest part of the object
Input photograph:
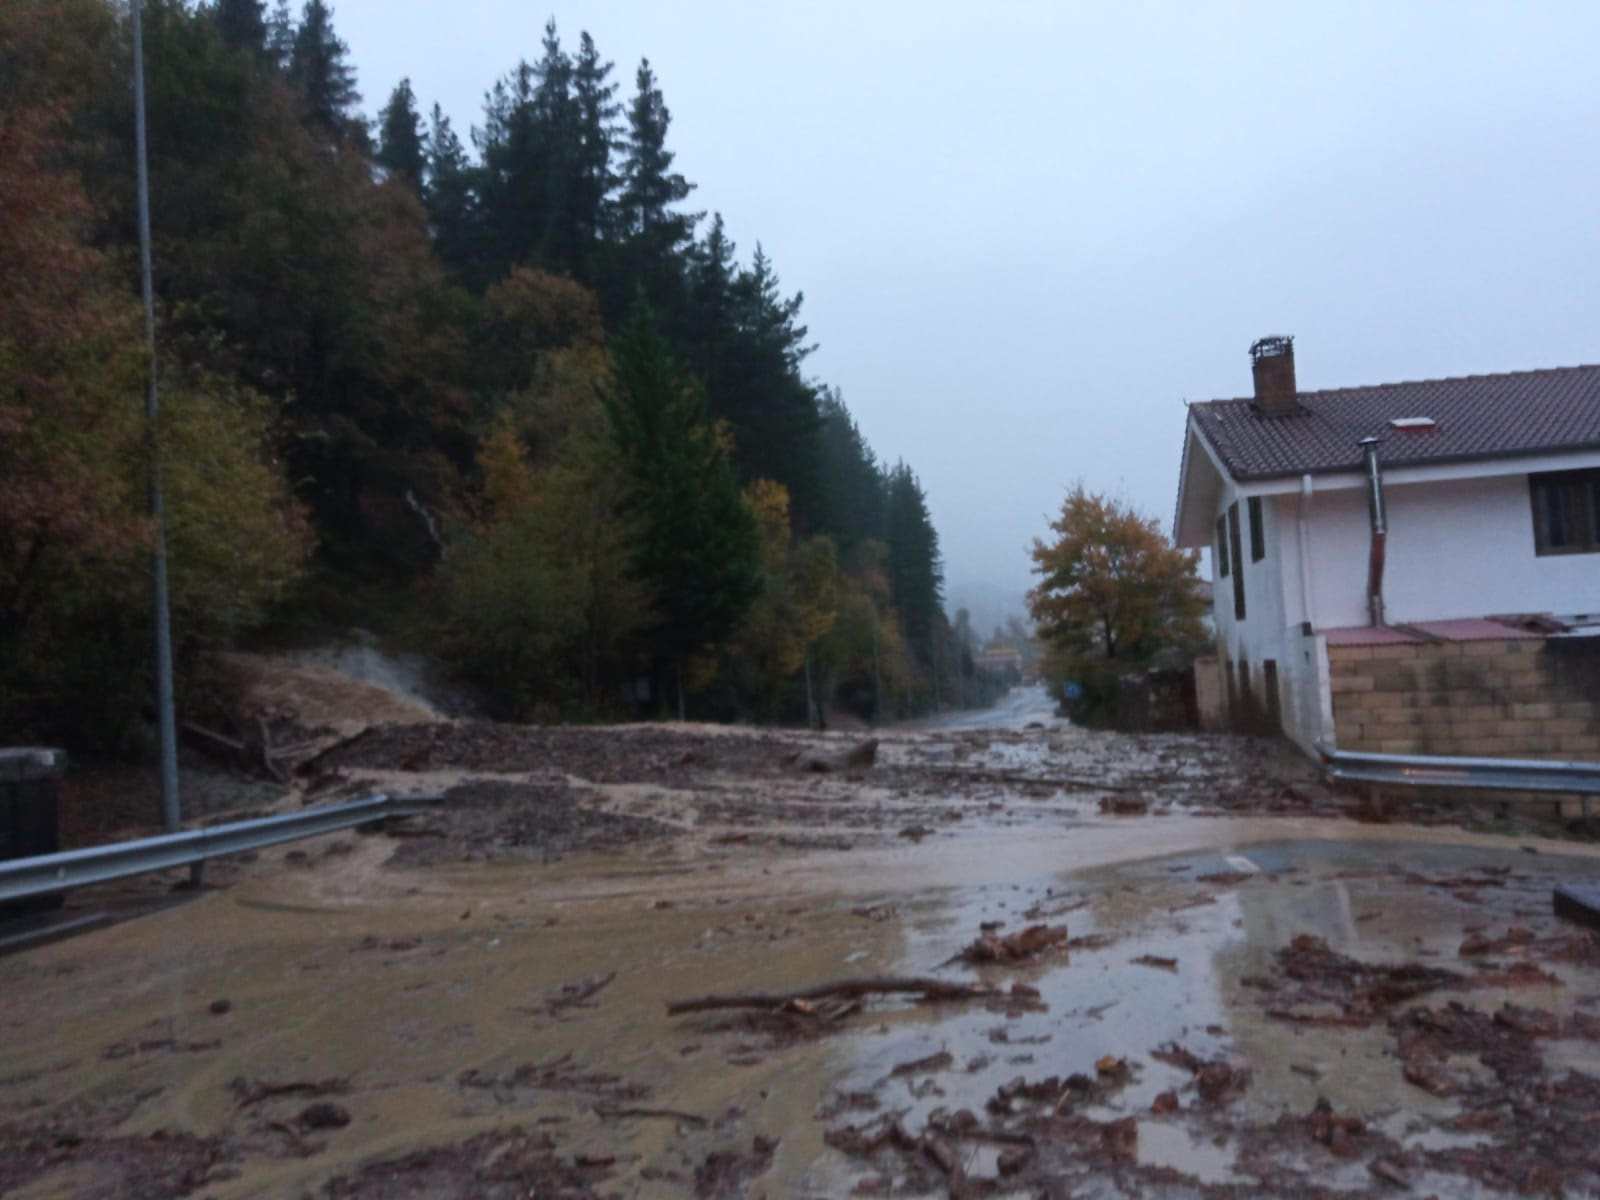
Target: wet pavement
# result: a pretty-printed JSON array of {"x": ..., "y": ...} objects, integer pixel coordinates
[{"x": 1264, "y": 1004}]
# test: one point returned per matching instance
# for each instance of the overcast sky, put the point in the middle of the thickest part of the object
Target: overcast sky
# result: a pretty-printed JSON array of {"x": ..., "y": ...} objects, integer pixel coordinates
[{"x": 1027, "y": 232}]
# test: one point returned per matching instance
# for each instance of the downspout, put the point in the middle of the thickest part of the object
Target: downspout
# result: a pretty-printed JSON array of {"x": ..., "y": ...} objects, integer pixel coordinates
[
  {"x": 1306, "y": 593},
  {"x": 1380, "y": 530}
]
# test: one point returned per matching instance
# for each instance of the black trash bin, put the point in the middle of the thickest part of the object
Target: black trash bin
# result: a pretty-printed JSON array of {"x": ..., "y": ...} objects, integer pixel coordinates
[{"x": 30, "y": 812}]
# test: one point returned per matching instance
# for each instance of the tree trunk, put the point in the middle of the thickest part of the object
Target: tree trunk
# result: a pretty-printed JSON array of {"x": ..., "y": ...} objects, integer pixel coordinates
[
  {"x": 679, "y": 673},
  {"x": 877, "y": 676},
  {"x": 811, "y": 707}
]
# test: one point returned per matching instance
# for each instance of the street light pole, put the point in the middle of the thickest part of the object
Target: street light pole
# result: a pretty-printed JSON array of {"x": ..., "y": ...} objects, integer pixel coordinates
[{"x": 164, "y": 704}]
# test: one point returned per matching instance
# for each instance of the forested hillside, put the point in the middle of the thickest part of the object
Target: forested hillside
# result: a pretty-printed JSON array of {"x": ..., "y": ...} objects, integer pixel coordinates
[{"x": 502, "y": 393}]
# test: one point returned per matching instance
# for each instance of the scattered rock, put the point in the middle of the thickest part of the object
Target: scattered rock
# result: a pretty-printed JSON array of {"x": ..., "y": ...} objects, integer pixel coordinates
[{"x": 323, "y": 1115}]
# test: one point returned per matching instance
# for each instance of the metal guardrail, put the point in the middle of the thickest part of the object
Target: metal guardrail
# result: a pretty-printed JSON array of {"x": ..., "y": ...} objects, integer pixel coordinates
[
  {"x": 45, "y": 874},
  {"x": 1475, "y": 774}
]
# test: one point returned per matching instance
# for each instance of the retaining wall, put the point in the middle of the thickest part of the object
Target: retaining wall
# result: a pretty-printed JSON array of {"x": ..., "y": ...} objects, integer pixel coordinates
[{"x": 1513, "y": 698}]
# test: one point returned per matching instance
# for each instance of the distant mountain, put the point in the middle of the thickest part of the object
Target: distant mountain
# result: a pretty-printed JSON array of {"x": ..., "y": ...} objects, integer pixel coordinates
[{"x": 989, "y": 603}]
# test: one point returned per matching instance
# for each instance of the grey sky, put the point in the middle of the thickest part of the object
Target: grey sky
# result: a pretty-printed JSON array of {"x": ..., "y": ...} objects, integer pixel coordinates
[{"x": 1026, "y": 232}]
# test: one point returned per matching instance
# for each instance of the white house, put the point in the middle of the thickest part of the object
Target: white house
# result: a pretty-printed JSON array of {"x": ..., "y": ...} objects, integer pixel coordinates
[{"x": 1465, "y": 589}]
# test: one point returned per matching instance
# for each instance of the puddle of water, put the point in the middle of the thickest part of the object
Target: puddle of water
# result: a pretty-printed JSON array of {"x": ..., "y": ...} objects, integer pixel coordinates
[{"x": 1164, "y": 1144}]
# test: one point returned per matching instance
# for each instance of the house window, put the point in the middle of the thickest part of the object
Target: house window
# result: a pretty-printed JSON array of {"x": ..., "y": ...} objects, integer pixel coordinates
[
  {"x": 1222, "y": 547},
  {"x": 1258, "y": 533},
  {"x": 1233, "y": 548},
  {"x": 1566, "y": 512}
]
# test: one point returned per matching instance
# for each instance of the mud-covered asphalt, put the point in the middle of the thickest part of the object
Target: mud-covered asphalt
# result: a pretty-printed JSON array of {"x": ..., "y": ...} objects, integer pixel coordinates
[{"x": 1255, "y": 993}]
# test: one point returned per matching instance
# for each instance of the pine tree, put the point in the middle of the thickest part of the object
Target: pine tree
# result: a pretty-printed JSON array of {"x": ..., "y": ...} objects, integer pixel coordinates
[
  {"x": 532, "y": 146},
  {"x": 559, "y": 146},
  {"x": 701, "y": 552},
  {"x": 318, "y": 65},
  {"x": 772, "y": 408},
  {"x": 916, "y": 574},
  {"x": 852, "y": 483},
  {"x": 650, "y": 188},
  {"x": 243, "y": 25},
  {"x": 596, "y": 113},
  {"x": 400, "y": 136},
  {"x": 451, "y": 198},
  {"x": 280, "y": 36}
]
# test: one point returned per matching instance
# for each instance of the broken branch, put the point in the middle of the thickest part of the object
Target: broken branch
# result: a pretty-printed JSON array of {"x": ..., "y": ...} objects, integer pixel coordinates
[{"x": 923, "y": 987}]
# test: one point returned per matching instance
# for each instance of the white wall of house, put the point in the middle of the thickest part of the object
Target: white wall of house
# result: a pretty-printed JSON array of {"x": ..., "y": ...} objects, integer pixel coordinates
[
  {"x": 1461, "y": 544},
  {"x": 1272, "y": 628},
  {"x": 1456, "y": 548}
]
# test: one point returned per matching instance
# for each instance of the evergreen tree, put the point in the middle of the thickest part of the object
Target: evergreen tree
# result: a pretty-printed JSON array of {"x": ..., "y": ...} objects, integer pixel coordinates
[
  {"x": 243, "y": 25},
  {"x": 280, "y": 36},
  {"x": 916, "y": 574},
  {"x": 531, "y": 146},
  {"x": 772, "y": 409},
  {"x": 852, "y": 482},
  {"x": 596, "y": 113},
  {"x": 650, "y": 187},
  {"x": 450, "y": 196},
  {"x": 701, "y": 553},
  {"x": 318, "y": 65},
  {"x": 400, "y": 135}
]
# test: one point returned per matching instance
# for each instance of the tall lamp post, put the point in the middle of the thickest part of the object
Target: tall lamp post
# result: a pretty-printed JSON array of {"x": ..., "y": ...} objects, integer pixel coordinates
[{"x": 164, "y": 705}]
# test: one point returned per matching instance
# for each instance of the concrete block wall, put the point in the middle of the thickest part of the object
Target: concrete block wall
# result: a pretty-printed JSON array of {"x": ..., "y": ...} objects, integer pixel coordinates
[{"x": 1517, "y": 698}]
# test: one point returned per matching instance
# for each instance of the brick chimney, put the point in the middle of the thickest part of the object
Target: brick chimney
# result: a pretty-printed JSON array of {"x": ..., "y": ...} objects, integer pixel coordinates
[{"x": 1272, "y": 364}]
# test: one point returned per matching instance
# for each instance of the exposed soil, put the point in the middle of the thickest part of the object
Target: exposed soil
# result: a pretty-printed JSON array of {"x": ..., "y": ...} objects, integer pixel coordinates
[{"x": 489, "y": 819}]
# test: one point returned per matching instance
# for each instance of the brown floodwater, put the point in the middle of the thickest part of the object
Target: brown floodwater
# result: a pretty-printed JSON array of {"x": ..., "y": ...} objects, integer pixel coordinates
[{"x": 425, "y": 990}]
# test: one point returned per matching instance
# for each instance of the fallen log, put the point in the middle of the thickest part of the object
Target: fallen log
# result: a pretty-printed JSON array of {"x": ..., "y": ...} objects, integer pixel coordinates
[{"x": 923, "y": 987}]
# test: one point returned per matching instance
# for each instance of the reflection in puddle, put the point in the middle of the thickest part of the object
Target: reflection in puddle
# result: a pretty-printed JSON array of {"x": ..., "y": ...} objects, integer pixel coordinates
[{"x": 1162, "y": 1144}]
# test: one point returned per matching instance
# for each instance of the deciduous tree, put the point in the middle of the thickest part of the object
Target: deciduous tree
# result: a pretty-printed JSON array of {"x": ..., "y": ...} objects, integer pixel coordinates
[{"x": 1111, "y": 587}]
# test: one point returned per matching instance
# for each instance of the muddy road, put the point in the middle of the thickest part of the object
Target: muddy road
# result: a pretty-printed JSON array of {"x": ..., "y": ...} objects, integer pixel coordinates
[{"x": 1165, "y": 966}]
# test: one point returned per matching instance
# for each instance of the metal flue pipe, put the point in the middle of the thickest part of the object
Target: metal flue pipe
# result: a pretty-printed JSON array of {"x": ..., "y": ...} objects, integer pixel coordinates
[{"x": 1380, "y": 530}]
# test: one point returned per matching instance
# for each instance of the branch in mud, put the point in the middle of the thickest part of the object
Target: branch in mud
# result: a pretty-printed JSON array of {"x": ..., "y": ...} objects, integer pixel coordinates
[
  {"x": 250, "y": 1092},
  {"x": 1023, "y": 779},
  {"x": 1025, "y": 943},
  {"x": 922, "y": 987},
  {"x": 670, "y": 1114}
]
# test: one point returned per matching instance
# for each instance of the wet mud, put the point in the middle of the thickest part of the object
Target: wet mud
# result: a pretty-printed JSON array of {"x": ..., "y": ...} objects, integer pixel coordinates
[{"x": 1215, "y": 998}]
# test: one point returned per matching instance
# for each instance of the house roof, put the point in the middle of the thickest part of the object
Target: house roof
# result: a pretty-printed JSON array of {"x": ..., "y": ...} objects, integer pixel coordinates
[{"x": 1475, "y": 416}]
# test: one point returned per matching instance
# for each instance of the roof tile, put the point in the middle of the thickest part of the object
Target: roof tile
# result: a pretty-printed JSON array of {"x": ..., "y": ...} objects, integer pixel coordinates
[{"x": 1477, "y": 416}]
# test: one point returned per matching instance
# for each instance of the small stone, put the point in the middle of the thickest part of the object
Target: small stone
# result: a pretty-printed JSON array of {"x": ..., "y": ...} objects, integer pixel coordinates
[
  {"x": 324, "y": 1115},
  {"x": 221, "y": 1005}
]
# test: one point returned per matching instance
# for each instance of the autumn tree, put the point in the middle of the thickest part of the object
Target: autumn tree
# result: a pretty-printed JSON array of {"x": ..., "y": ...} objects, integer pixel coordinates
[
  {"x": 1113, "y": 592},
  {"x": 543, "y": 599},
  {"x": 795, "y": 609},
  {"x": 75, "y": 451}
]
